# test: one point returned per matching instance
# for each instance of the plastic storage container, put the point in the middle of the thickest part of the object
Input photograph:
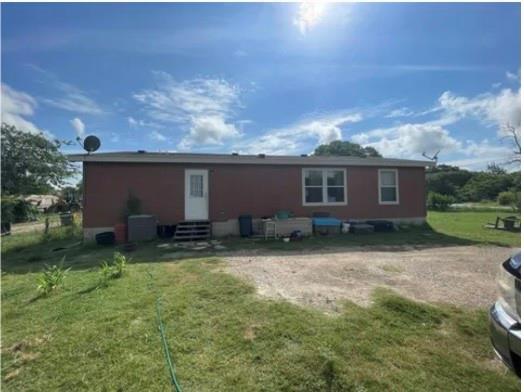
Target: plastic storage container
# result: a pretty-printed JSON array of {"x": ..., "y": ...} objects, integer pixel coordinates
[
  {"x": 245, "y": 225},
  {"x": 345, "y": 227}
]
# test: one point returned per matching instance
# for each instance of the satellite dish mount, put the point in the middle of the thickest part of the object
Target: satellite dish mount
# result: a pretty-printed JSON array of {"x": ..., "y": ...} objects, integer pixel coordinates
[{"x": 433, "y": 158}]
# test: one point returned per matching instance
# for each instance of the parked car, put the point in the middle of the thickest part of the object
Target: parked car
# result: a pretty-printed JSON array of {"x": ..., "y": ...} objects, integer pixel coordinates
[{"x": 505, "y": 315}]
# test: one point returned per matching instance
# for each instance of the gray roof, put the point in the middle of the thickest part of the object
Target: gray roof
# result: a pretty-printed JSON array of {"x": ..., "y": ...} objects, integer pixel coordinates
[{"x": 164, "y": 157}]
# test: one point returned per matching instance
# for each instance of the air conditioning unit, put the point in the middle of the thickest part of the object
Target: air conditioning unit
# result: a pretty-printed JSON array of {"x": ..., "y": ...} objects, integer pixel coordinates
[{"x": 141, "y": 227}]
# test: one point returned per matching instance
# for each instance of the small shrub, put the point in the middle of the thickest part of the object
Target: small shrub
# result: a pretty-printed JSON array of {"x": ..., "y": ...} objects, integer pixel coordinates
[
  {"x": 8, "y": 205},
  {"x": 15, "y": 210},
  {"x": 113, "y": 269},
  {"x": 507, "y": 198},
  {"x": 106, "y": 272},
  {"x": 437, "y": 201},
  {"x": 120, "y": 262},
  {"x": 51, "y": 278}
]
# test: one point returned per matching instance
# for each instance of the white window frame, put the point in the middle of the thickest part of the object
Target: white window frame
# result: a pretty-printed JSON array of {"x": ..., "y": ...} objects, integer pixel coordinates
[
  {"x": 324, "y": 171},
  {"x": 380, "y": 171}
]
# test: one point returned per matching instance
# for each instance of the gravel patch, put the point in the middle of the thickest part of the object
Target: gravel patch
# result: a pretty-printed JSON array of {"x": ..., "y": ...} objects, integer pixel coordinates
[{"x": 463, "y": 275}]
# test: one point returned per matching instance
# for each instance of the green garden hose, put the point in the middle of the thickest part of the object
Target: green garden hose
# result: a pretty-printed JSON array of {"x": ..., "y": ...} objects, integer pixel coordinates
[{"x": 165, "y": 347}]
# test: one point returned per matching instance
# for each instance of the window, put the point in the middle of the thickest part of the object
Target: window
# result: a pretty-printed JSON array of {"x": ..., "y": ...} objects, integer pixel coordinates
[
  {"x": 388, "y": 186},
  {"x": 324, "y": 186},
  {"x": 196, "y": 188}
]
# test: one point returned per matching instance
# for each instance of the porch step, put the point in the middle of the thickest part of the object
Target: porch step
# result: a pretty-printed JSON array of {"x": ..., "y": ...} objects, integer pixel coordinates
[{"x": 193, "y": 230}]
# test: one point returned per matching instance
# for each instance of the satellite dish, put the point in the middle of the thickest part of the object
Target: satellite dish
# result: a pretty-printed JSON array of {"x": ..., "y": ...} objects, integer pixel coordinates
[{"x": 91, "y": 143}]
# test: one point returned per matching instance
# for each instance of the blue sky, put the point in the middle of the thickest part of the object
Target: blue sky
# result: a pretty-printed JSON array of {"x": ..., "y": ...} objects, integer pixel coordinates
[{"x": 273, "y": 78}]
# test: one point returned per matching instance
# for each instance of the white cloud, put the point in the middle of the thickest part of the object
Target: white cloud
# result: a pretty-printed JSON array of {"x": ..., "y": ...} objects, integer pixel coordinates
[
  {"x": 499, "y": 109},
  {"x": 74, "y": 100},
  {"x": 318, "y": 129},
  {"x": 308, "y": 16},
  {"x": 138, "y": 123},
  {"x": 79, "y": 127},
  {"x": 16, "y": 106},
  {"x": 401, "y": 112},
  {"x": 409, "y": 140},
  {"x": 477, "y": 155},
  {"x": 209, "y": 130},
  {"x": 204, "y": 107},
  {"x": 71, "y": 97},
  {"x": 514, "y": 77},
  {"x": 155, "y": 135},
  {"x": 486, "y": 149},
  {"x": 132, "y": 122}
]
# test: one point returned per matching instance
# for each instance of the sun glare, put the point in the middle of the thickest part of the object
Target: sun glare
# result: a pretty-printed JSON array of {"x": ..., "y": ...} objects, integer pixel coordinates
[{"x": 309, "y": 15}]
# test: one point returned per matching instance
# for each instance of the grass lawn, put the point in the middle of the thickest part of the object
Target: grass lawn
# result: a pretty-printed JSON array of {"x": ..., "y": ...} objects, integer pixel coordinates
[
  {"x": 469, "y": 226},
  {"x": 222, "y": 335}
]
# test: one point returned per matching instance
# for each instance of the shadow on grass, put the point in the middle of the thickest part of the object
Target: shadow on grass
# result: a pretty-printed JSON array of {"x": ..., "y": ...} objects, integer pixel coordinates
[
  {"x": 36, "y": 298},
  {"x": 78, "y": 256},
  {"x": 89, "y": 289}
]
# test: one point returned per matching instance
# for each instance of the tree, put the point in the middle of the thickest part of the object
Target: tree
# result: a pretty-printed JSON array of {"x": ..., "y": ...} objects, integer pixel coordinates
[
  {"x": 493, "y": 168},
  {"x": 344, "y": 148},
  {"x": 486, "y": 186},
  {"x": 447, "y": 180},
  {"x": 512, "y": 135},
  {"x": 31, "y": 163}
]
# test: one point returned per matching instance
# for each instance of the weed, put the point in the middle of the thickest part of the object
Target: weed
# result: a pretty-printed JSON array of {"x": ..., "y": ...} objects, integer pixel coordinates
[
  {"x": 52, "y": 278},
  {"x": 105, "y": 272},
  {"x": 119, "y": 262},
  {"x": 112, "y": 269}
]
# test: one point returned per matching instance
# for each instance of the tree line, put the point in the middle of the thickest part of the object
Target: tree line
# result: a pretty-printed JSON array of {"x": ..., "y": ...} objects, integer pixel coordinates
[{"x": 450, "y": 184}]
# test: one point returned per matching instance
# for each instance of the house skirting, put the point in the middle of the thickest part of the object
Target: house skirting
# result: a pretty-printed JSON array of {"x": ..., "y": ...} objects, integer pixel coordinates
[{"x": 285, "y": 227}]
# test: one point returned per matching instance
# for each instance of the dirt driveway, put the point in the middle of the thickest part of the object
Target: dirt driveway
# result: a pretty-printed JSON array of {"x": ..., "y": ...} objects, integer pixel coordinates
[{"x": 464, "y": 275}]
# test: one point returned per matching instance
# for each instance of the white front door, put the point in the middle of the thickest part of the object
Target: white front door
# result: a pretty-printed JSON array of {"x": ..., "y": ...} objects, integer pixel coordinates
[{"x": 196, "y": 195}]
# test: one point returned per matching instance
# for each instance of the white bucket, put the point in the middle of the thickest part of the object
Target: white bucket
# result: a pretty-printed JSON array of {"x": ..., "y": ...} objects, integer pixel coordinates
[{"x": 345, "y": 227}]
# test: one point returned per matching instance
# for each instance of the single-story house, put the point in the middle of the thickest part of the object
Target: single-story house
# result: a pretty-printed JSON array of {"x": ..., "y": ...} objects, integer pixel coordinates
[{"x": 176, "y": 187}]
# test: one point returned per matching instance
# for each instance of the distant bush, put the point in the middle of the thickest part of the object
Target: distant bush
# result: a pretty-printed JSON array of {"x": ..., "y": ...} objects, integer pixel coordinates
[
  {"x": 506, "y": 198},
  {"x": 486, "y": 186},
  {"x": 8, "y": 205},
  {"x": 437, "y": 201},
  {"x": 15, "y": 210},
  {"x": 509, "y": 199}
]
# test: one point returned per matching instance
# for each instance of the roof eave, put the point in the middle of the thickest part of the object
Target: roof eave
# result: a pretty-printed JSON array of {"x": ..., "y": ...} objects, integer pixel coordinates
[{"x": 246, "y": 160}]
